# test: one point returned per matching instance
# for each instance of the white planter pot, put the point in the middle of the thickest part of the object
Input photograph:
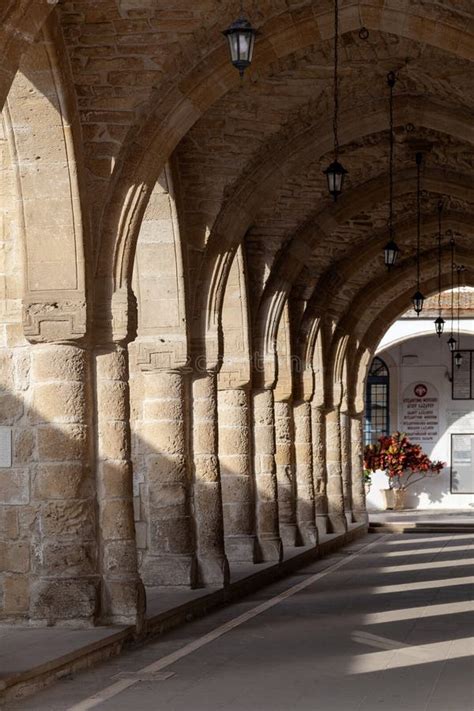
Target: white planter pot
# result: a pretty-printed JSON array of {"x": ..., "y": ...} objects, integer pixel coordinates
[
  {"x": 399, "y": 497},
  {"x": 388, "y": 498}
]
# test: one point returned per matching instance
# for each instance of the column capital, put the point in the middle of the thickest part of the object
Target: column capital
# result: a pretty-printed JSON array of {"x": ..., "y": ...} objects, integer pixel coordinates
[
  {"x": 264, "y": 371},
  {"x": 115, "y": 316},
  {"x": 55, "y": 321},
  {"x": 163, "y": 355},
  {"x": 321, "y": 407}
]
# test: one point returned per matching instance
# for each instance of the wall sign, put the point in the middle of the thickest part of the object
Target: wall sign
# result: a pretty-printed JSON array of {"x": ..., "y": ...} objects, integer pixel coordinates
[
  {"x": 462, "y": 463},
  {"x": 420, "y": 415}
]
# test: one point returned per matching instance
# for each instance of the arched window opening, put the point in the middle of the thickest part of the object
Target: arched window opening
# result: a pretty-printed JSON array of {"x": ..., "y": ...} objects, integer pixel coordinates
[{"x": 377, "y": 402}]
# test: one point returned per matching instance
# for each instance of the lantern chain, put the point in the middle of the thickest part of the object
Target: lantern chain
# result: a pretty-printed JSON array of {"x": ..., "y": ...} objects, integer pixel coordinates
[
  {"x": 336, "y": 87},
  {"x": 452, "y": 245},
  {"x": 460, "y": 269},
  {"x": 440, "y": 210},
  {"x": 419, "y": 158},
  {"x": 391, "y": 82}
]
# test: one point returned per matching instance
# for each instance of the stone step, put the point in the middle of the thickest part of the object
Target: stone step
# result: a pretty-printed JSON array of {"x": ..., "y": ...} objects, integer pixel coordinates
[{"x": 419, "y": 527}]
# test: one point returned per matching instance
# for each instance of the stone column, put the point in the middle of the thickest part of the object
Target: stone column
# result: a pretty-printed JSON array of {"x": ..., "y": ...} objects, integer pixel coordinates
[
  {"x": 305, "y": 510},
  {"x": 213, "y": 567},
  {"x": 285, "y": 469},
  {"x": 123, "y": 598},
  {"x": 358, "y": 488},
  {"x": 346, "y": 464},
  {"x": 65, "y": 580},
  {"x": 269, "y": 541},
  {"x": 318, "y": 422},
  {"x": 336, "y": 511},
  {"x": 238, "y": 494},
  {"x": 169, "y": 558}
]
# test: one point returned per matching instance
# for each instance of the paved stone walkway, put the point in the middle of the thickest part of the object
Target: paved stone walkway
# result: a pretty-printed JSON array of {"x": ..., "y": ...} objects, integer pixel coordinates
[{"x": 387, "y": 623}]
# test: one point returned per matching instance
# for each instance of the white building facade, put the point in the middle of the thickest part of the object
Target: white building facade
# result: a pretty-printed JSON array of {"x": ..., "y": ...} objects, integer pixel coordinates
[{"x": 431, "y": 400}]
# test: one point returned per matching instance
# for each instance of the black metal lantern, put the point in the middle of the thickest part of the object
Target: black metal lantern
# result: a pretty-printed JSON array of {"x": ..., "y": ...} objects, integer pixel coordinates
[
  {"x": 452, "y": 344},
  {"x": 335, "y": 176},
  {"x": 241, "y": 38},
  {"x": 391, "y": 251},
  {"x": 458, "y": 359},
  {"x": 418, "y": 300},
  {"x": 335, "y": 172},
  {"x": 439, "y": 326}
]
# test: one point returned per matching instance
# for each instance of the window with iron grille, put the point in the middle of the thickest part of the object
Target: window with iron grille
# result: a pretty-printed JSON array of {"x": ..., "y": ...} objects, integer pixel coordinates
[{"x": 377, "y": 402}]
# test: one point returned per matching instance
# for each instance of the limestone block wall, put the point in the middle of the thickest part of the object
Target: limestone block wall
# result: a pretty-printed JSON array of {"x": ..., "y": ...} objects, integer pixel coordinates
[{"x": 17, "y": 513}]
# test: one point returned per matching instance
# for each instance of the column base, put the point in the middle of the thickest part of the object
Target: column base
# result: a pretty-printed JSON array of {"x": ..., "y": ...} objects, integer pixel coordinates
[
  {"x": 213, "y": 571},
  {"x": 241, "y": 549},
  {"x": 124, "y": 603},
  {"x": 289, "y": 534},
  {"x": 56, "y": 601},
  {"x": 165, "y": 570},
  {"x": 322, "y": 524},
  {"x": 308, "y": 533},
  {"x": 270, "y": 549},
  {"x": 349, "y": 517},
  {"x": 361, "y": 517},
  {"x": 337, "y": 523}
]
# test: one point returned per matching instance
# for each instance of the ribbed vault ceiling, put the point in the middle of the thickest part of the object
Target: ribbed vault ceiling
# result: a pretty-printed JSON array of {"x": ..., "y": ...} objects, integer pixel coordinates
[{"x": 153, "y": 85}]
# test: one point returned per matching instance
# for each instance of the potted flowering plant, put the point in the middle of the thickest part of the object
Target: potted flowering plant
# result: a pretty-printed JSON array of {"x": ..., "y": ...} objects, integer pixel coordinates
[{"x": 404, "y": 463}]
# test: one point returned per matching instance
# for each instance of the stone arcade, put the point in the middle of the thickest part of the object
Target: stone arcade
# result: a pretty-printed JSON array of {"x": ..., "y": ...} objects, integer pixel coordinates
[{"x": 187, "y": 320}]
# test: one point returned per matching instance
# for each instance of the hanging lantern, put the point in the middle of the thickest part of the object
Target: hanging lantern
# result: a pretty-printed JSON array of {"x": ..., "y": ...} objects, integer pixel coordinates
[
  {"x": 241, "y": 38},
  {"x": 418, "y": 300},
  {"x": 335, "y": 172},
  {"x": 390, "y": 253},
  {"x": 452, "y": 344},
  {"x": 458, "y": 359},
  {"x": 335, "y": 176},
  {"x": 439, "y": 326}
]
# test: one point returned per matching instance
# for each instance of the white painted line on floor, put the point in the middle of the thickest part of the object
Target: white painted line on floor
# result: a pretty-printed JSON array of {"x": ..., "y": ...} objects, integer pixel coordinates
[
  {"x": 144, "y": 676},
  {"x": 110, "y": 691}
]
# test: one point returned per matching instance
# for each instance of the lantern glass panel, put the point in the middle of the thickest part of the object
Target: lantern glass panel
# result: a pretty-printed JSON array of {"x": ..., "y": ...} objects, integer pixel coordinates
[
  {"x": 391, "y": 253},
  {"x": 452, "y": 344},
  {"x": 234, "y": 46},
  {"x": 418, "y": 300},
  {"x": 335, "y": 178},
  {"x": 439, "y": 325}
]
